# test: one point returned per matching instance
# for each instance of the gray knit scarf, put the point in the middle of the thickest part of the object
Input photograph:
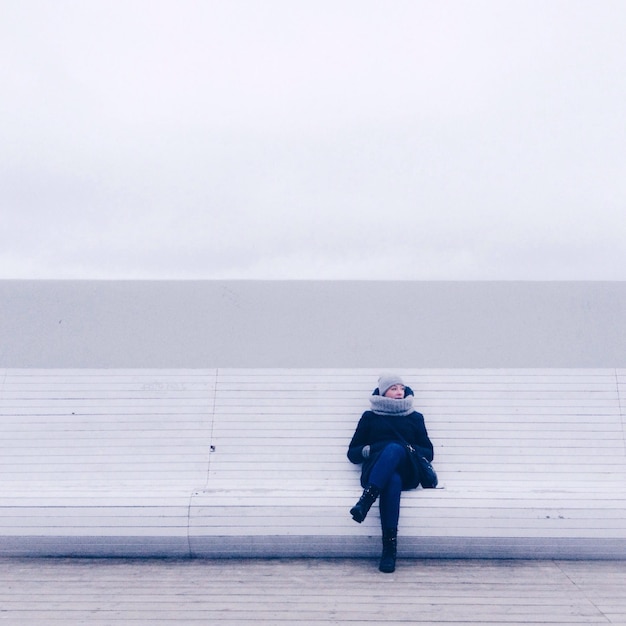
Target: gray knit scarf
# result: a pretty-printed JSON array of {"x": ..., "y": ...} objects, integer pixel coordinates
[{"x": 390, "y": 406}]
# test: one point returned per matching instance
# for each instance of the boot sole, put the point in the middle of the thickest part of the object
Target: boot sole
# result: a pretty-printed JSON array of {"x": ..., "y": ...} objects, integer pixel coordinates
[{"x": 357, "y": 515}]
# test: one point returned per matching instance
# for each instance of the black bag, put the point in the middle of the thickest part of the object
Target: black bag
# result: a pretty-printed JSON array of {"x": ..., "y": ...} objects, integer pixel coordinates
[
  {"x": 422, "y": 467},
  {"x": 423, "y": 472}
]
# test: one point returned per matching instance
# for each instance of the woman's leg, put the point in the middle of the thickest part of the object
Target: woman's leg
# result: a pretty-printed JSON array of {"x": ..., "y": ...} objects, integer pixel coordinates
[
  {"x": 385, "y": 473},
  {"x": 386, "y": 466},
  {"x": 389, "y": 516},
  {"x": 390, "y": 502}
]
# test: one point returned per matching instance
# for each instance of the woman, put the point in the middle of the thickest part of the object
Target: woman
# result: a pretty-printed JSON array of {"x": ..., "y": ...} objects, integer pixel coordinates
[{"x": 380, "y": 444}]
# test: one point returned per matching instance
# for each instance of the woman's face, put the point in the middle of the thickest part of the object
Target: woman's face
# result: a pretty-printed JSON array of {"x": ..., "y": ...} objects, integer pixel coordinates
[{"x": 395, "y": 391}]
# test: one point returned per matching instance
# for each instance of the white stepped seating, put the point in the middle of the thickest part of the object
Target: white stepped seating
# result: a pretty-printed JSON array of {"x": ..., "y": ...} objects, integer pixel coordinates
[{"x": 252, "y": 462}]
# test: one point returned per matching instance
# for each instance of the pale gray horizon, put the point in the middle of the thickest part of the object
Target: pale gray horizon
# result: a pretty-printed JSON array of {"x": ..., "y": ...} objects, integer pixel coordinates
[{"x": 371, "y": 324}]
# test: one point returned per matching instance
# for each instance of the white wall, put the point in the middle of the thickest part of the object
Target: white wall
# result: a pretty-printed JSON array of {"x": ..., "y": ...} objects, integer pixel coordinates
[{"x": 311, "y": 324}]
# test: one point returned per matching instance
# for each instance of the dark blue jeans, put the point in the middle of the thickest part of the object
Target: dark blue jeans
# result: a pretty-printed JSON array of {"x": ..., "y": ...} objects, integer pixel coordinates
[{"x": 386, "y": 476}]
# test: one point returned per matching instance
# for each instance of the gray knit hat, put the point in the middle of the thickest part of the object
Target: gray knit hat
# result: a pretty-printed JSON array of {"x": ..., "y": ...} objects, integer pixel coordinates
[{"x": 385, "y": 381}]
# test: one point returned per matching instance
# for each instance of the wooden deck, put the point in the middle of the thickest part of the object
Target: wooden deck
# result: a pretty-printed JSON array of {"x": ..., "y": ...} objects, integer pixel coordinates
[{"x": 312, "y": 592}]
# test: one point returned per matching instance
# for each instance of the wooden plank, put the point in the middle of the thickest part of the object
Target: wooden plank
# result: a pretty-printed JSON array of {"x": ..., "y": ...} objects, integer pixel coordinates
[{"x": 102, "y": 453}]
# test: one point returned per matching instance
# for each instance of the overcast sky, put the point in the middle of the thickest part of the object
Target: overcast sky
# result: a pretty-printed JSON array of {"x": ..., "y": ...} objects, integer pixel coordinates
[{"x": 319, "y": 139}]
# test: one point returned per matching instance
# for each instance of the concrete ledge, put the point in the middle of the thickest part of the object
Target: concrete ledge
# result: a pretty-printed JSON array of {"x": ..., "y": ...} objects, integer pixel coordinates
[
  {"x": 69, "y": 545},
  {"x": 410, "y": 547}
]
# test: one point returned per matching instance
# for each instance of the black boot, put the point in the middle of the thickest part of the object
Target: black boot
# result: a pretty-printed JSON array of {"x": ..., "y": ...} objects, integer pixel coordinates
[
  {"x": 360, "y": 509},
  {"x": 390, "y": 546}
]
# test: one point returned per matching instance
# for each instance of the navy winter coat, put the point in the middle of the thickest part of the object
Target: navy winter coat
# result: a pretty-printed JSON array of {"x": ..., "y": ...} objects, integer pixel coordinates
[{"x": 375, "y": 431}]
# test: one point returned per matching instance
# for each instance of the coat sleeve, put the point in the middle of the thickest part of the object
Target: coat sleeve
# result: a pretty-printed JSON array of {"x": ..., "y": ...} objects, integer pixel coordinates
[{"x": 360, "y": 439}]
